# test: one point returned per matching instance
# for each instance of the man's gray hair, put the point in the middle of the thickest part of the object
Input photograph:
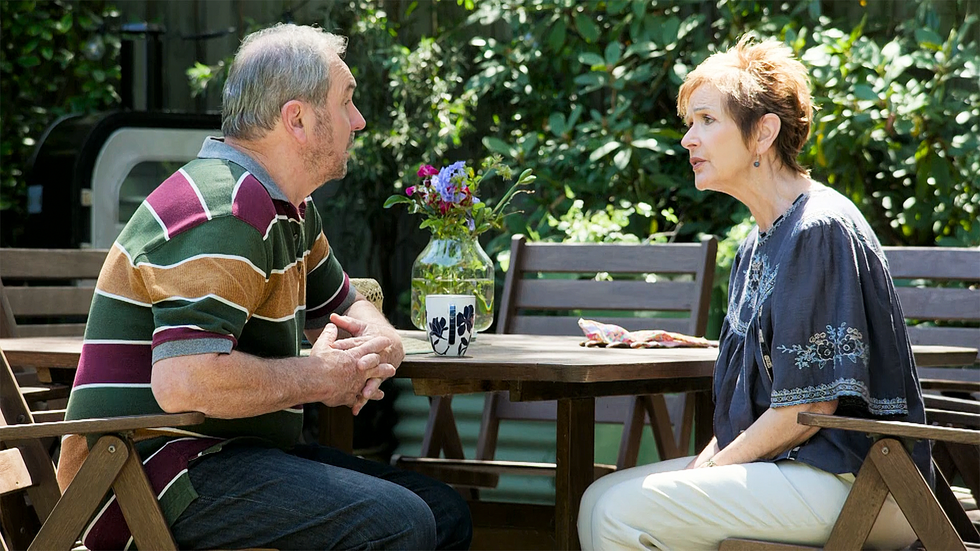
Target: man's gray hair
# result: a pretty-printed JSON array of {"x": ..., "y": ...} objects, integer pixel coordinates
[{"x": 273, "y": 66}]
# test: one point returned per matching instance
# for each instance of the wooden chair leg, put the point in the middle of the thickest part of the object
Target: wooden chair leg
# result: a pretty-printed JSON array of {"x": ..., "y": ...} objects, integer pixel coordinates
[
  {"x": 663, "y": 433},
  {"x": 629, "y": 443},
  {"x": 951, "y": 505},
  {"x": 140, "y": 507},
  {"x": 912, "y": 494},
  {"x": 860, "y": 509},
  {"x": 83, "y": 496},
  {"x": 441, "y": 434}
]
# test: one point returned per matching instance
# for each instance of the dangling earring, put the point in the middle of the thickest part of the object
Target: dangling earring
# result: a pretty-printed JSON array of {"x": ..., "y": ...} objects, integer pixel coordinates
[{"x": 756, "y": 163}]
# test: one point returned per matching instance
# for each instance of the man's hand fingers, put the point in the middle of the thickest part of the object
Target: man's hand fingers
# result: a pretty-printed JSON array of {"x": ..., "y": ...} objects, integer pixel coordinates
[
  {"x": 381, "y": 371},
  {"x": 368, "y": 361},
  {"x": 374, "y": 345},
  {"x": 371, "y": 389},
  {"x": 327, "y": 337},
  {"x": 351, "y": 325},
  {"x": 349, "y": 343}
]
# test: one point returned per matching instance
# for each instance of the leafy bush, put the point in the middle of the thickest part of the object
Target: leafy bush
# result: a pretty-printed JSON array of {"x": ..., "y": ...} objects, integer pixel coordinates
[{"x": 57, "y": 59}]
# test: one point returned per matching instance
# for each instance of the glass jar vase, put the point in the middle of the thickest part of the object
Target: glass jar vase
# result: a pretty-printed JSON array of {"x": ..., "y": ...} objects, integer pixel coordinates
[{"x": 453, "y": 266}]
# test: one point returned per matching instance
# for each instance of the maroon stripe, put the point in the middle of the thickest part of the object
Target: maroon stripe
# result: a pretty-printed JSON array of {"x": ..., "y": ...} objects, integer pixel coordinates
[
  {"x": 177, "y": 205},
  {"x": 302, "y": 210},
  {"x": 333, "y": 304},
  {"x": 111, "y": 531},
  {"x": 114, "y": 363},
  {"x": 253, "y": 204},
  {"x": 285, "y": 208},
  {"x": 186, "y": 333}
]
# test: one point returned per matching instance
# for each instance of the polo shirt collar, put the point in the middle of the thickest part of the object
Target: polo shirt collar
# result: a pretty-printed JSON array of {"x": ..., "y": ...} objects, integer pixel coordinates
[{"x": 216, "y": 148}]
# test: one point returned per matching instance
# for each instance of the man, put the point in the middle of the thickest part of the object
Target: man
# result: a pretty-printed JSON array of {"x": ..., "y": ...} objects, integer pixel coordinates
[{"x": 200, "y": 305}]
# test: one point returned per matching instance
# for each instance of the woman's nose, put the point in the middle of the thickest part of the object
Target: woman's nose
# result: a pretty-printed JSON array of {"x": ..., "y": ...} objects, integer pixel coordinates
[{"x": 688, "y": 141}]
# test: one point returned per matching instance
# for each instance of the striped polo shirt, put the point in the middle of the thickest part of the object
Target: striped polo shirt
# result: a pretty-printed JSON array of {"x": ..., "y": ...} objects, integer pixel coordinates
[{"x": 214, "y": 260}]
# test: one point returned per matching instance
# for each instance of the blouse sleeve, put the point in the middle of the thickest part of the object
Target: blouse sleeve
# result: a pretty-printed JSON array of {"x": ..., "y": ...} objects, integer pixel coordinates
[{"x": 825, "y": 310}]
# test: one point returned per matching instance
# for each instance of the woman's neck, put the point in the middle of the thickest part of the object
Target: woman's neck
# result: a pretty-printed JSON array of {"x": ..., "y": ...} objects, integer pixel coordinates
[{"x": 770, "y": 198}]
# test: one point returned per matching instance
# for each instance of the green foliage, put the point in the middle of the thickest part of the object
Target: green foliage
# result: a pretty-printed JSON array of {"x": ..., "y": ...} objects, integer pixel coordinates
[
  {"x": 57, "y": 60},
  {"x": 897, "y": 129}
]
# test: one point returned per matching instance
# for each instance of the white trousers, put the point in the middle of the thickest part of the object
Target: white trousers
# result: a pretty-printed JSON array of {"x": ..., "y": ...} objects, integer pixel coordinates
[{"x": 662, "y": 506}]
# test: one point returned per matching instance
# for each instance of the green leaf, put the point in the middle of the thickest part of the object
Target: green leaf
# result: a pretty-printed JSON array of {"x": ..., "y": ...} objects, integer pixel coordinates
[
  {"x": 622, "y": 158},
  {"x": 613, "y": 51},
  {"x": 648, "y": 143},
  {"x": 591, "y": 59},
  {"x": 614, "y": 7},
  {"x": 604, "y": 150},
  {"x": 557, "y": 123},
  {"x": 586, "y": 27},
  {"x": 496, "y": 145},
  {"x": 28, "y": 61},
  {"x": 556, "y": 38},
  {"x": 928, "y": 37},
  {"x": 396, "y": 199},
  {"x": 864, "y": 92},
  {"x": 670, "y": 29}
]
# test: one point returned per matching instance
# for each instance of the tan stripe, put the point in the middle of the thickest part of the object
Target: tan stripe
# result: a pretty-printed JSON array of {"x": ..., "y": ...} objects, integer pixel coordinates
[
  {"x": 231, "y": 279},
  {"x": 319, "y": 251},
  {"x": 119, "y": 277},
  {"x": 289, "y": 291}
]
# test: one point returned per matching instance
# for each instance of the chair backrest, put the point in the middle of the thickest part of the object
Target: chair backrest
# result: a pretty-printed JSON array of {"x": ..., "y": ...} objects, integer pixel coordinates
[
  {"x": 26, "y": 471},
  {"x": 549, "y": 286},
  {"x": 655, "y": 286},
  {"x": 47, "y": 292},
  {"x": 939, "y": 288}
]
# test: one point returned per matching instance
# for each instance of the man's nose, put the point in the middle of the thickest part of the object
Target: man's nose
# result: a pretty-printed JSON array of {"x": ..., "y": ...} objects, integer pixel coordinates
[{"x": 357, "y": 121}]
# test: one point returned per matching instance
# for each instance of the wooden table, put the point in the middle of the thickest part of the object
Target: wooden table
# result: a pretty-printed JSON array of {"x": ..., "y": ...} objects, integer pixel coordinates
[{"x": 530, "y": 368}]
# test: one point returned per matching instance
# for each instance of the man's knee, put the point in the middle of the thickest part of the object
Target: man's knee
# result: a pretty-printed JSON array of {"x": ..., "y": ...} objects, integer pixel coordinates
[
  {"x": 454, "y": 527},
  {"x": 412, "y": 523}
]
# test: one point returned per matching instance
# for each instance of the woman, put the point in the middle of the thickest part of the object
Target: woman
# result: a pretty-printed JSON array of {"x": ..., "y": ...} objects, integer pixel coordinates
[{"x": 813, "y": 325}]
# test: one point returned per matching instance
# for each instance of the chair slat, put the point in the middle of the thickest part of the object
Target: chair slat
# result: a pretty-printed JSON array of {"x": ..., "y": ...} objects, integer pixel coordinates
[
  {"x": 675, "y": 258},
  {"x": 946, "y": 336},
  {"x": 50, "y": 301},
  {"x": 51, "y": 263},
  {"x": 14, "y": 475},
  {"x": 940, "y": 303},
  {"x": 891, "y": 428},
  {"x": 936, "y": 263},
  {"x": 554, "y": 294}
]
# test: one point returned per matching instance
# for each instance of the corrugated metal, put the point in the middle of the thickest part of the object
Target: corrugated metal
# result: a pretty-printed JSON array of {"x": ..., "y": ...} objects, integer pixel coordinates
[{"x": 517, "y": 441}]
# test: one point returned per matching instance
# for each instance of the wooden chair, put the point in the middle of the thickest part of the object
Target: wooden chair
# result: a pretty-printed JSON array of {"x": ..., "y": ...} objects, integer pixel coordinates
[
  {"x": 937, "y": 517},
  {"x": 26, "y": 468},
  {"x": 46, "y": 292},
  {"x": 939, "y": 288},
  {"x": 563, "y": 287}
]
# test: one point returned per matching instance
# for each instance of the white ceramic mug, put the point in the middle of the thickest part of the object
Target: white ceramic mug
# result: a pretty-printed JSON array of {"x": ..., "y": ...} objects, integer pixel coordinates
[{"x": 449, "y": 323}]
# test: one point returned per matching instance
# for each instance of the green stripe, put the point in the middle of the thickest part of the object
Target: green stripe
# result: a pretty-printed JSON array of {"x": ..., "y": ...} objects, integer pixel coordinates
[
  {"x": 209, "y": 314},
  {"x": 215, "y": 178},
  {"x": 225, "y": 235},
  {"x": 111, "y": 319}
]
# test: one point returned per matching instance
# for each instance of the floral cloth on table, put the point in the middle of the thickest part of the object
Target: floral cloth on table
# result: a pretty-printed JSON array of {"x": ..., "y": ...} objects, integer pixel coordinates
[{"x": 614, "y": 336}]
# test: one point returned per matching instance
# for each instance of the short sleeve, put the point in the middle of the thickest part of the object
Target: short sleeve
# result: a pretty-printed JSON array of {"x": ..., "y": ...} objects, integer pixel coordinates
[
  {"x": 204, "y": 287},
  {"x": 328, "y": 288},
  {"x": 825, "y": 314}
]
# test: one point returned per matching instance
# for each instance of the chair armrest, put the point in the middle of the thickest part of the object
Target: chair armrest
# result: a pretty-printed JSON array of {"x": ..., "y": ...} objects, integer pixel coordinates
[
  {"x": 32, "y": 431},
  {"x": 890, "y": 428}
]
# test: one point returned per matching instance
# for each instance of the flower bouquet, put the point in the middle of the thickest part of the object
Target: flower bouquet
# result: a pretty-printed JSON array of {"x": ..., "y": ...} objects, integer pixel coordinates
[{"x": 453, "y": 262}]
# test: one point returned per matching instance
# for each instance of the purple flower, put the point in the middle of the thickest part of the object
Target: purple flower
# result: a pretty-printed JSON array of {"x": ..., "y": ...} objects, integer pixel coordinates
[
  {"x": 443, "y": 182},
  {"x": 410, "y": 190},
  {"x": 470, "y": 223},
  {"x": 427, "y": 170}
]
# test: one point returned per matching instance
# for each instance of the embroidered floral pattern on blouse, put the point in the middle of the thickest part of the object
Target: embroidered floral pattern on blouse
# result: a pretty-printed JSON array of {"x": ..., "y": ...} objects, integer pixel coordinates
[
  {"x": 760, "y": 281},
  {"x": 841, "y": 387},
  {"x": 830, "y": 346}
]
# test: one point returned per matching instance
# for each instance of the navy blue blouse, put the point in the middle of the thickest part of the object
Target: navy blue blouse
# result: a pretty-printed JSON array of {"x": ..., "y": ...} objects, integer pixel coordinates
[{"x": 813, "y": 317}]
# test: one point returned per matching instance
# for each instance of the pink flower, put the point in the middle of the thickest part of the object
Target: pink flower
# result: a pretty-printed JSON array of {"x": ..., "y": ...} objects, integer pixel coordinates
[
  {"x": 427, "y": 170},
  {"x": 410, "y": 190}
]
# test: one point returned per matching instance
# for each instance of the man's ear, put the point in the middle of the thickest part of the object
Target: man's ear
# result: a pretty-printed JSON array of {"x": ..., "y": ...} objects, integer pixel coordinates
[
  {"x": 294, "y": 119},
  {"x": 768, "y": 129}
]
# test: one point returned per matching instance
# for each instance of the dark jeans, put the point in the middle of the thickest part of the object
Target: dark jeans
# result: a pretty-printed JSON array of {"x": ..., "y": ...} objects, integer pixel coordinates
[{"x": 315, "y": 497}]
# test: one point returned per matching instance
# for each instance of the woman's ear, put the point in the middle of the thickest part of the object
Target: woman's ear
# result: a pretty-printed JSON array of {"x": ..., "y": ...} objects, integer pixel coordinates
[
  {"x": 768, "y": 130},
  {"x": 292, "y": 114}
]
